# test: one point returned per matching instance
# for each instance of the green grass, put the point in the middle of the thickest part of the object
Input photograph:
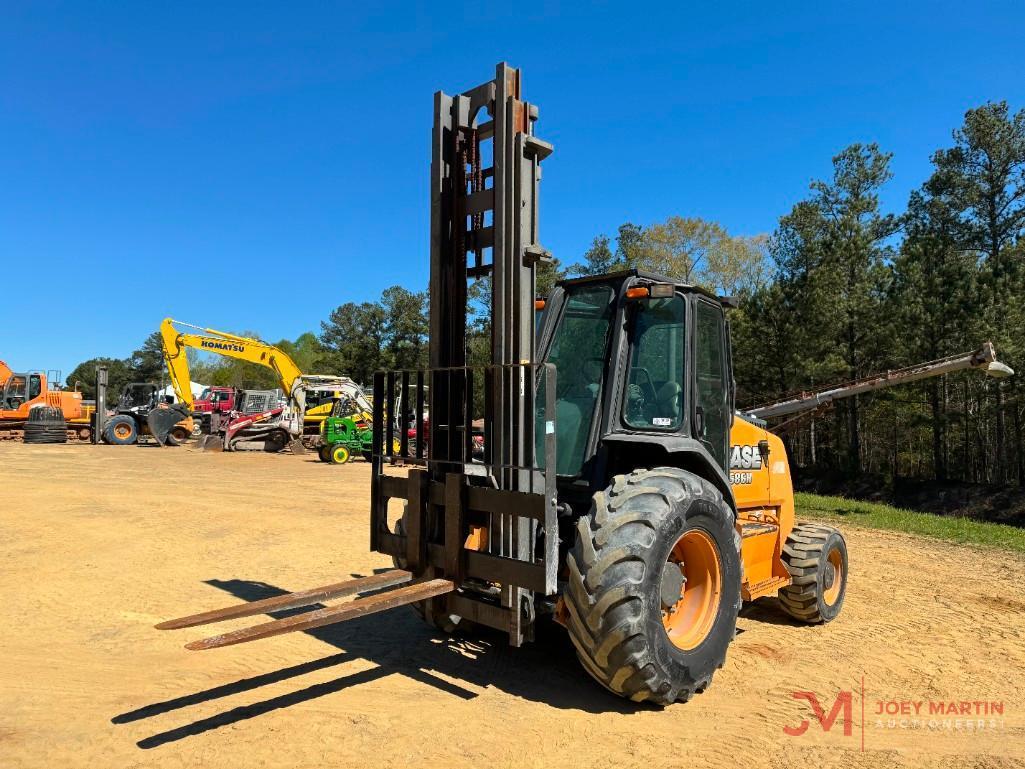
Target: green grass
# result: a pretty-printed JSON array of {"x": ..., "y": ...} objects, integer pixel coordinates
[{"x": 872, "y": 515}]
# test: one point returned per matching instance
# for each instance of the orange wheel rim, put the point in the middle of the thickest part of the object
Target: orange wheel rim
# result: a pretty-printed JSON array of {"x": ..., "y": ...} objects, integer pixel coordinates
[
  {"x": 689, "y": 621},
  {"x": 122, "y": 431},
  {"x": 834, "y": 565}
]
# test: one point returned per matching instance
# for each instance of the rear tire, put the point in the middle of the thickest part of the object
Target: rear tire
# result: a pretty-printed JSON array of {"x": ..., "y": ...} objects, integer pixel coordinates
[
  {"x": 179, "y": 435},
  {"x": 339, "y": 455},
  {"x": 323, "y": 453},
  {"x": 816, "y": 557},
  {"x": 647, "y": 623},
  {"x": 121, "y": 431}
]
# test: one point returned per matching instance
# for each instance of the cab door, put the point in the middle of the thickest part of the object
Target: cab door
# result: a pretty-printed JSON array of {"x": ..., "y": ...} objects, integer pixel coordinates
[
  {"x": 35, "y": 386},
  {"x": 711, "y": 412}
]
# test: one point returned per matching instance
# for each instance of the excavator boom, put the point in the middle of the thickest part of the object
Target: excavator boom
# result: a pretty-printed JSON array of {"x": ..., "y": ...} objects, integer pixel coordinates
[
  {"x": 175, "y": 346},
  {"x": 232, "y": 346}
]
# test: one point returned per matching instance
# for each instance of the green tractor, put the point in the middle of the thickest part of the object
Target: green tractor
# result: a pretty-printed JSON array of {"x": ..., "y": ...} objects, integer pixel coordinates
[
  {"x": 343, "y": 437},
  {"x": 345, "y": 432}
]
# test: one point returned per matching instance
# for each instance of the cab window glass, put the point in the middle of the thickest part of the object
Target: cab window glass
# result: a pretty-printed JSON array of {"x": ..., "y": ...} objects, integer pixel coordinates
[
  {"x": 578, "y": 351},
  {"x": 654, "y": 397},
  {"x": 16, "y": 387},
  {"x": 712, "y": 389}
]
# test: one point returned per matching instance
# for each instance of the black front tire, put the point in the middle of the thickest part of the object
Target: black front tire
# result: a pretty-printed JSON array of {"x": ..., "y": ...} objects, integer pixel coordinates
[
  {"x": 121, "y": 431},
  {"x": 616, "y": 577},
  {"x": 816, "y": 557}
]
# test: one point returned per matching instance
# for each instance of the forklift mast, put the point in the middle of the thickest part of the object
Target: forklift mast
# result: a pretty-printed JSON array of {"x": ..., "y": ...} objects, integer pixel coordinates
[
  {"x": 479, "y": 535},
  {"x": 487, "y": 212},
  {"x": 468, "y": 518}
]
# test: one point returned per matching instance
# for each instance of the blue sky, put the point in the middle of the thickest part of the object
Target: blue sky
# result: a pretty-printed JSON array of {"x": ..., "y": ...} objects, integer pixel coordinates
[{"x": 254, "y": 165}]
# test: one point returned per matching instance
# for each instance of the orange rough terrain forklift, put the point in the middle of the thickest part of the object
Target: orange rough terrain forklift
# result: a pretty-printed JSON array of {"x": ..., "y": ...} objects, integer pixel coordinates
[{"x": 619, "y": 492}]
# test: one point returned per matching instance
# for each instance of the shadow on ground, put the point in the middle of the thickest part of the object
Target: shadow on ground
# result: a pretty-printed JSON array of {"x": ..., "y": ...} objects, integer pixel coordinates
[
  {"x": 399, "y": 643},
  {"x": 769, "y": 611}
]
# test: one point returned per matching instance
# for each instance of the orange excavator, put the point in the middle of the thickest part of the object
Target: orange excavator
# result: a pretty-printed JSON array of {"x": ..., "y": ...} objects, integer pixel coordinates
[{"x": 22, "y": 391}]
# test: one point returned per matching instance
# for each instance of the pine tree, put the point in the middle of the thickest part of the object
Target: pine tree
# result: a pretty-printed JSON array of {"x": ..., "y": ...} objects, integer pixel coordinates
[
  {"x": 931, "y": 297},
  {"x": 982, "y": 178},
  {"x": 831, "y": 251}
]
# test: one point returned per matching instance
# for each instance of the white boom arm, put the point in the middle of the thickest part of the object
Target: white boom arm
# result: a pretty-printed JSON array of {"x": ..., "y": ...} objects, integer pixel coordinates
[{"x": 985, "y": 358}]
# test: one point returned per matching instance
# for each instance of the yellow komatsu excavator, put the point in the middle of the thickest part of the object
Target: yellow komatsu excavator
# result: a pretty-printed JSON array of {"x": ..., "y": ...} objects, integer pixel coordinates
[{"x": 274, "y": 427}]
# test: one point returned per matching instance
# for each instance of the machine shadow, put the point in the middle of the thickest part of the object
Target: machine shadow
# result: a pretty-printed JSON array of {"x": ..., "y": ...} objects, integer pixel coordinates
[
  {"x": 769, "y": 611},
  {"x": 398, "y": 642}
]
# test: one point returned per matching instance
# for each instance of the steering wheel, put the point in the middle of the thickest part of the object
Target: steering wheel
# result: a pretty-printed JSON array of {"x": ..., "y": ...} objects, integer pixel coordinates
[{"x": 652, "y": 391}]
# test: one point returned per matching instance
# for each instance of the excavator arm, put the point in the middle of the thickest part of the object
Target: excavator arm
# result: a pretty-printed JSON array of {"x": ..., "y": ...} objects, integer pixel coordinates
[
  {"x": 177, "y": 363},
  {"x": 175, "y": 344}
]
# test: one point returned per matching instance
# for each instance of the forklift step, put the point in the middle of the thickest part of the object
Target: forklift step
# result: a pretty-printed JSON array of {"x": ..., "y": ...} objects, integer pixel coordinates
[
  {"x": 292, "y": 600},
  {"x": 419, "y": 591}
]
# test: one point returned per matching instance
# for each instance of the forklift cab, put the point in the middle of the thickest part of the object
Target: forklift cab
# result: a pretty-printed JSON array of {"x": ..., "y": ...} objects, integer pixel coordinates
[
  {"x": 644, "y": 372},
  {"x": 138, "y": 396}
]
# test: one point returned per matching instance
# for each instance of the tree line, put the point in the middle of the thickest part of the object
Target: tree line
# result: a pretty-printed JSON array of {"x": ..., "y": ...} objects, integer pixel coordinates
[
  {"x": 840, "y": 290},
  {"x": 357, "y": 339}
]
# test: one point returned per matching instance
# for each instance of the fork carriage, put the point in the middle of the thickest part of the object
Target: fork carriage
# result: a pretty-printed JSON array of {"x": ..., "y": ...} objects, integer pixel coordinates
[{"x": 480, "y": 523}]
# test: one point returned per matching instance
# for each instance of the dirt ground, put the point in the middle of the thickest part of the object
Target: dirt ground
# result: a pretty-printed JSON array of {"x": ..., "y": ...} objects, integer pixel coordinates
[{"x": 99, "y": 543}]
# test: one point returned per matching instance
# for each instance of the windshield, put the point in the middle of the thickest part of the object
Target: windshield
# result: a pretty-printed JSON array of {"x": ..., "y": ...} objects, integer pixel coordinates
[
  {"x": 16, "y": 386},
  {"x": 14, "y": 391},
  {"x": 579, "y": 351}
]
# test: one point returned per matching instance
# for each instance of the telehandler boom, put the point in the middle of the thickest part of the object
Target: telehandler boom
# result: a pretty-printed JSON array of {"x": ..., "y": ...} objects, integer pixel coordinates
[{"x": 983, "y": 359}]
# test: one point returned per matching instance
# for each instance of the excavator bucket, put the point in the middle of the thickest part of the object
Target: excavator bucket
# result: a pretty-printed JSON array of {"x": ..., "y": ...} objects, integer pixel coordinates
[
  {"x": 161, "y": 422},
  {"x": 210, "y": 443}
]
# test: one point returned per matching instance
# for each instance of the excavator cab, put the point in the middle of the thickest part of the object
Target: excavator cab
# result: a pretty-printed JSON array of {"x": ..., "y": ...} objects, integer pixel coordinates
[{"x": 20, "y": 389}]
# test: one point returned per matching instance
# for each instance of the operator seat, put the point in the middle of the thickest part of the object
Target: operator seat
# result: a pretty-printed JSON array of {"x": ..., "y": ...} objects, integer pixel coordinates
[
  {"x": 669, "y": 401},
  {"x": 573, "y": 413}
]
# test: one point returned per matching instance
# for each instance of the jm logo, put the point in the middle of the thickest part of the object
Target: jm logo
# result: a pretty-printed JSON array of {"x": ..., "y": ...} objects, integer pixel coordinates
[{"x": 843, "y": 701}]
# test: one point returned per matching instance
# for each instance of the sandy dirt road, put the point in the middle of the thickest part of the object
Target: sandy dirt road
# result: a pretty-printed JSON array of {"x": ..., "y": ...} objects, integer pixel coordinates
[{"x": 99, "y": 543}]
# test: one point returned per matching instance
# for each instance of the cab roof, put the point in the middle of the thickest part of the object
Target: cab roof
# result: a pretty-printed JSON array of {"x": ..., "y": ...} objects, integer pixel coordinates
[{"x": 621, "y": 275}]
